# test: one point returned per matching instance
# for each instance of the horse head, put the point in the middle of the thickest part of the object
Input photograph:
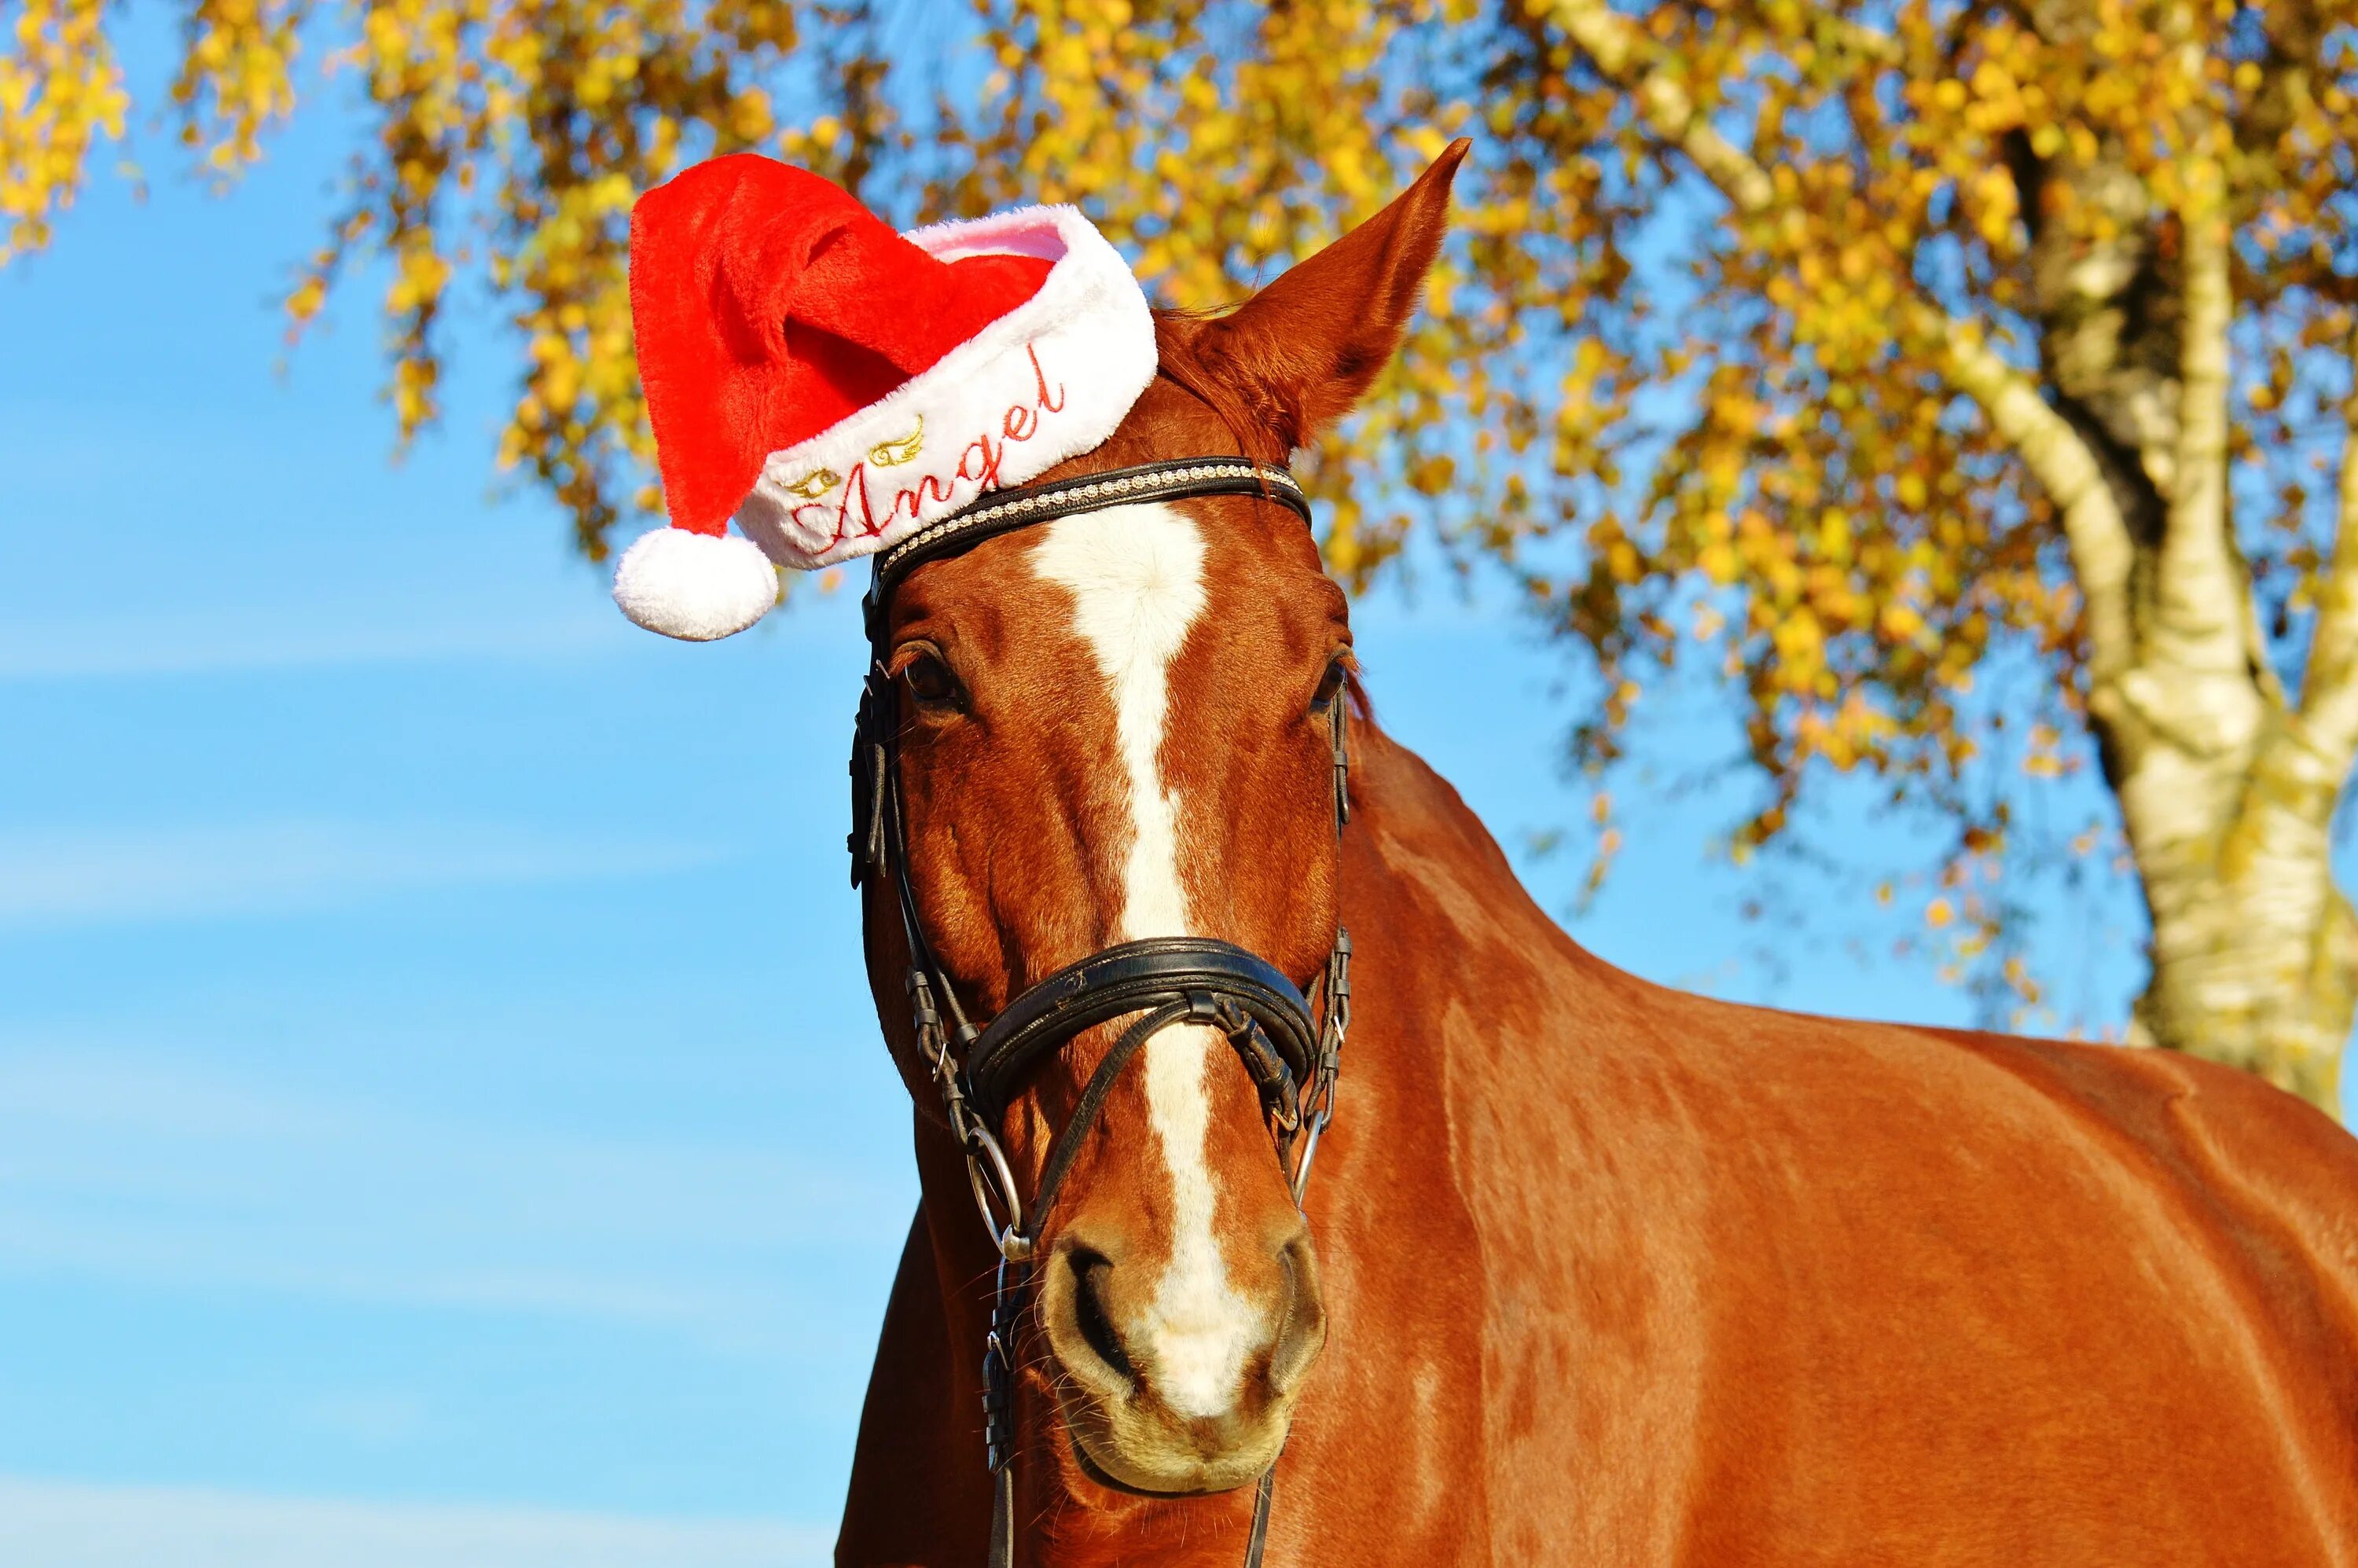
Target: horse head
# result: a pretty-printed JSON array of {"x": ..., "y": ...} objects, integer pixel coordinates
[{"x": 1120, "y": 725}]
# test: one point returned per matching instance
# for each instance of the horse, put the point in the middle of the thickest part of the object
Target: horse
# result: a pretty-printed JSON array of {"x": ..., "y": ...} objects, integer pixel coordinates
[{"x": 1591, "y": 1270}]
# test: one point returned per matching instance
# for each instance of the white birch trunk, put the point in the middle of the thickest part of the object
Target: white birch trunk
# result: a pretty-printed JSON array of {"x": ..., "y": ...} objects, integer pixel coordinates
[
  {"x": 2227, "y": 786},
  {"x": 2226, "y": 790}
]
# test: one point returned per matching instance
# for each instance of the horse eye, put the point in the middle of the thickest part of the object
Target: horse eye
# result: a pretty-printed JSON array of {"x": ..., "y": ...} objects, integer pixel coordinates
[
  {"x": 930, "y": 681},
  {"x": 1330, "y": 685}
]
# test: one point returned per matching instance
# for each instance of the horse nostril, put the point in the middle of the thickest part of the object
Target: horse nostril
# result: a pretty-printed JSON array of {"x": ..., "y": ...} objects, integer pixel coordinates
[
  {"x": 1089, "y": 1271},
  {"x": 1304, "y": 1331}
]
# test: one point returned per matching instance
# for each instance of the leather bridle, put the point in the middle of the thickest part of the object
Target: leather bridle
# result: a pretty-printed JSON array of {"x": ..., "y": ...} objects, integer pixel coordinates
[{"x": 1293, "y": 1057}]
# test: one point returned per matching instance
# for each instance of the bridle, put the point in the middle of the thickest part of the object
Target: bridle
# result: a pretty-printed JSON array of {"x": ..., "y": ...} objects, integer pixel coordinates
[{"x": 1293, "y": 1057}]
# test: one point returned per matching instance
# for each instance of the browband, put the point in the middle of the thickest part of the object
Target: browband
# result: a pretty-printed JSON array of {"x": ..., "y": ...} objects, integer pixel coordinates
[{"x": 1002, "y": 512}]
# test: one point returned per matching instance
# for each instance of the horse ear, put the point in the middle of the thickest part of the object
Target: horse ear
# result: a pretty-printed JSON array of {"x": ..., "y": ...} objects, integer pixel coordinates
[{"x": 1302, "y": 350}]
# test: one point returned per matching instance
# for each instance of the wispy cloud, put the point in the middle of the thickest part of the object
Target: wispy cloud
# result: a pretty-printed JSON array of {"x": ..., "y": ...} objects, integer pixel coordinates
[
  {"x": 429, "y": 624},
  {"x": 141, "y": 1170},
  {"x": 183, "y": 645},
  {"x": 67, "y": 1524},
  {"x": 57, "y": 879}
]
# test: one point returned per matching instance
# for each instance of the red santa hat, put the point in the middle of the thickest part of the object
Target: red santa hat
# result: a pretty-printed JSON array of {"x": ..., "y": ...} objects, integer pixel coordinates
[{"x": 836, "y": 387}]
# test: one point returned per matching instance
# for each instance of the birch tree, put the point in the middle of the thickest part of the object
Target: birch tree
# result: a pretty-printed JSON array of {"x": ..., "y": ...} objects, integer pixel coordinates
[
  {"x": 2073, "y": 219},
  {"x": 1838, "y": 354}
]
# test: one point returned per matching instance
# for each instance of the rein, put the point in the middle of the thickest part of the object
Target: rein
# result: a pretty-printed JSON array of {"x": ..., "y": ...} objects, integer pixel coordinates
[{"x": 1293, "y": 1057}]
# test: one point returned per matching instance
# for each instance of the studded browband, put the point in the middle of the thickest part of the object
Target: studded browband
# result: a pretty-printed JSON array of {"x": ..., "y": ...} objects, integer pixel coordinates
[{"x": 1002, "y": 512}]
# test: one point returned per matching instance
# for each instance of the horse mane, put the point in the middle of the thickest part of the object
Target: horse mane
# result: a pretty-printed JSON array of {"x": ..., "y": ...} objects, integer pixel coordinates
[{"x": 1180, "y": 360}]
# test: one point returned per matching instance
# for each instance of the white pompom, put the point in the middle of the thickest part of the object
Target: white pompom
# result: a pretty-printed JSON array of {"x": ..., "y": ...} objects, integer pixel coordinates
[{"x": 697, "y": 587}]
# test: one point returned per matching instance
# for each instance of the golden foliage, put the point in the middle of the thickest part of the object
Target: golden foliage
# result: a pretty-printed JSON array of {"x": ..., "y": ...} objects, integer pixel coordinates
[
  {"x": 60, "y": 93},
  {"x": 1687, "y": 367}
]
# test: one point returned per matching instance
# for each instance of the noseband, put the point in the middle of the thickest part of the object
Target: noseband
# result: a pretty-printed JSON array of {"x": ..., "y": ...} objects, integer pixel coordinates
[{"x": 1292, "y": 1056}]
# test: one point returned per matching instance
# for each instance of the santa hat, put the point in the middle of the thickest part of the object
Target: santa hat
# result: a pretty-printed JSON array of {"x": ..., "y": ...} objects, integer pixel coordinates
[{"x": 835, "y": 387}]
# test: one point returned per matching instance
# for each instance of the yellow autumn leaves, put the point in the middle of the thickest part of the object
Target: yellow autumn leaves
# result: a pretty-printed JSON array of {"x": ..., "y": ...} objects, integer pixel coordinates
[{"x": 61, "y": 91}]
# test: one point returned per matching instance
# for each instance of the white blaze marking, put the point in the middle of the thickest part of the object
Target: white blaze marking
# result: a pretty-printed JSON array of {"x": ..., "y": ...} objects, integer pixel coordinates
[{"x": 1136, "y": 575}]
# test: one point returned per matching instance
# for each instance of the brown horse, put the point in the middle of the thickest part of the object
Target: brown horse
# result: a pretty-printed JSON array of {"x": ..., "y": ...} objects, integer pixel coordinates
[{"x": 1602, "y": 1273}]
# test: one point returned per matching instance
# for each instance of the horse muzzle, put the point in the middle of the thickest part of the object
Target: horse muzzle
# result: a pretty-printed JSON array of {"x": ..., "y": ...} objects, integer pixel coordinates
[{"x": 1169, "y": 1384}]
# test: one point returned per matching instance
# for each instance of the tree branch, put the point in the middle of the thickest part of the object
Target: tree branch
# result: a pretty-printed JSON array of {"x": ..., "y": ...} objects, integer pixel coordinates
[
  {"x": 1623, "y": 53},
  {"x": 2102, "y": 551},
  {"x": 2329, "y": 691},
  {"x": 2202, "y": 596},
  {"x": 2054, "y": 452}
]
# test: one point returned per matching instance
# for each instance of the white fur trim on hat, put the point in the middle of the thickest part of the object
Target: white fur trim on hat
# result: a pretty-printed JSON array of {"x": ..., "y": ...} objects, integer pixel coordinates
[
  {"x": 695, "y": 586},
  {"x": 1045, "y": 382}
]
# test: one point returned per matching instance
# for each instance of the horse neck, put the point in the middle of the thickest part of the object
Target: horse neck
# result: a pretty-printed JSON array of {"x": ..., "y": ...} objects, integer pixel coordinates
[
  {"x": 1439, "y": 922},
  {"x": 1443, "y": 934}
]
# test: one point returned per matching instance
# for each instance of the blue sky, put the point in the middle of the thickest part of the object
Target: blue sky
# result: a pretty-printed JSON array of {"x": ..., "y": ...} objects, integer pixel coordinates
[{"x": 440, "y": 1116}]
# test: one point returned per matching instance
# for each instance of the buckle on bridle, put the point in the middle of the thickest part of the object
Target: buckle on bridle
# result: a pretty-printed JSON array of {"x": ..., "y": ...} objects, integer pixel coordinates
[{"x": 988, "y": 1173}]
